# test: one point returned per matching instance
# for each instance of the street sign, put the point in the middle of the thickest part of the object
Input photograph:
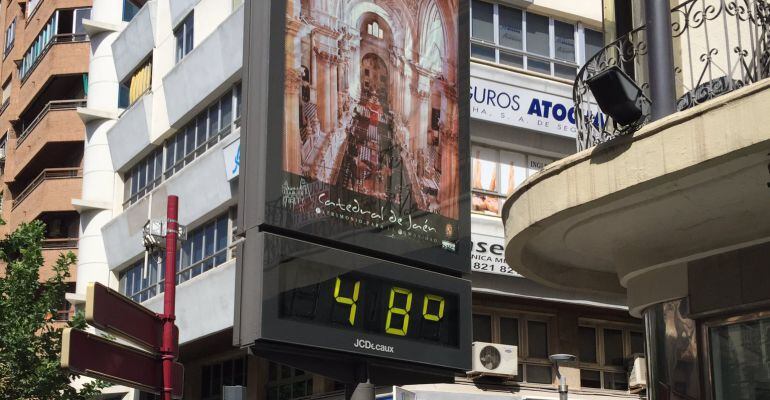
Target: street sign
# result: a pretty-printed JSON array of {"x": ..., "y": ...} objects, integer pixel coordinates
[
  {"x": 96, "y": 357},
  {"x": 110, "y": 311}
]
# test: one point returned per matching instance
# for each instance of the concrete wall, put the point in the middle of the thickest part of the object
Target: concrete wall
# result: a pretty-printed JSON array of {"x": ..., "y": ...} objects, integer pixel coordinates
[
  {"x": 130, "y": 136},
  {"x": 204, "y": 304},
  {"x": 206, "y": 72},
  {"x": 136, "y": 41}
]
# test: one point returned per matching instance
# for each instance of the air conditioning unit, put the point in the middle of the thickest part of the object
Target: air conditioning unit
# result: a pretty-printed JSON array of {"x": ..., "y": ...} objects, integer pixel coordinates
[
  {"x": 492, "y": 359},
  {"x": 637, "y": 377}
]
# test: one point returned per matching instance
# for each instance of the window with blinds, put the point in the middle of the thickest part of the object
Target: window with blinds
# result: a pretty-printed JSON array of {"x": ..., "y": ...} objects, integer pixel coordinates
[{"x": 136, "y": 85}]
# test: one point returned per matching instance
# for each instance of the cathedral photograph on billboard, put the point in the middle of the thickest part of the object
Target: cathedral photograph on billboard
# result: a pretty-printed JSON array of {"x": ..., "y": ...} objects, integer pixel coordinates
[{"x": 371, "y": 112}]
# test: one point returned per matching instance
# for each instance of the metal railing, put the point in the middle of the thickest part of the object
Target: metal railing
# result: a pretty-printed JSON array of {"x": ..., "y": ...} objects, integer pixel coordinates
[
  {"x": 63, "y": 243},
  {"x": 47, "y": 174},
  {"x": 56, "y": 105},
  {"x": 719, "y": 46},
  {"x": 5, "y": 105},
  {"x": 56, "y": 39}
]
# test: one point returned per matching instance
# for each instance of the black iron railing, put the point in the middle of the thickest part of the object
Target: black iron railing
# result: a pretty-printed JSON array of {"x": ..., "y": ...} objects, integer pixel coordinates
[{"x": 719, "y": 46}]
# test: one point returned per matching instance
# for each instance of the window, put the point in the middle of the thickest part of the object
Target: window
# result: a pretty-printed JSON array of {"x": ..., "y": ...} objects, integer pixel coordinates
[
  {"x": 32, "y": 6},
  {"x": 531, "y": 334},
  {"x": 184, "y": 37},
  {"x": 286, "y": 383},
  {"x": 136, "y": 85},
  {"x": 3, "y": 146},
  {"x": 204, "y": 249},
  {"x": 64, "y": 26},
  {"x": 131, "y": 8},
  {"x": 604, "y": 352},
  {"x": 199, "y": 135},
  {"x": 516, "y": 38},
  {"x": 226, "y": 373},
  {"x": 373, "y": 29},
  {"x": 10, "y": 37},
  {"x": 739, "y": 349},
  {"x": 496, "y": 173},
  {"x": 139, "y": 284},
  {"x": 145, "y": 176},
  {"x": 6, "y": 94}
]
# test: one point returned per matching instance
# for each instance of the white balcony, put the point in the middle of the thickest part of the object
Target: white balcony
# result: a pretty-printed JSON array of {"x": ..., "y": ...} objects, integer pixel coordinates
[
  {"x": 131, "y": 133},
  {"x": 136, "y": 41},
  {"x": 206, "y": 72},
  {"x": 208, "y": 297},
  {"x": 203, "y": 190}
]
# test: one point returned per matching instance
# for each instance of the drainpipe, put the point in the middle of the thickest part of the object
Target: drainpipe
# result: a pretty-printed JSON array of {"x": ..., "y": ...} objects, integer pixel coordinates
[{"x": 660, "y": 59}]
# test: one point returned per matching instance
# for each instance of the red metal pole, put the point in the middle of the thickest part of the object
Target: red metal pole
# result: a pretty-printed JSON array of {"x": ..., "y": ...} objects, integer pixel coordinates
[{"x": 169, "y": 297}]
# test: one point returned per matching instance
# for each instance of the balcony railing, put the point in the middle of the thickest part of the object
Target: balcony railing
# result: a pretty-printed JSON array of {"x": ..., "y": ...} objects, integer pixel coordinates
[
  {"x": 64, "y": 243},
  {"x": 720, "y": 46},
  {"x": 47, "y": 174},
  {"x": 26, "y": 71},
  {"x": 57, "y": 105}
]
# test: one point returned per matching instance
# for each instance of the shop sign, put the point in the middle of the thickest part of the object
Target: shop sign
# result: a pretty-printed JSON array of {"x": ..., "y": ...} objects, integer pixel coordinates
[
  {"x": 488, "y": 255},
  {"x": 525, "y": 108}
]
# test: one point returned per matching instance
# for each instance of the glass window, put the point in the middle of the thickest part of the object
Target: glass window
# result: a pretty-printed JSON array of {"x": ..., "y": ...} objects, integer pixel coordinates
[
  {"x": 509, "y": 331},
  {"x": 740, "y": 355},
  {"x": 564, "y": 41},
  {"x": 131, "y": 8},
  {"x": 538, "y": 37},
  {"x": 10, "y": 36},
  {"x": 80, "y": 15},
  {"x": 539, "y": 374},
  {"x": 482, "y": 328},
  {"x": 587, "y": 344},
  {"x": 482, "y": 52},
  {"x": 289, "y": 384},
  {"x": 184, "y": 37},
  {"x": 513, "y": 37},
  {"x": 510, "y": 27},
  {"x": 590, "y": 379},
  {"x": 6, "y": 92},
  {"x": 613, "y": 347},
  {"x": 637, "y": 343},
  {"x": 594, "y": 42},
  {"x": 225, "y": 373},
  {"x": 616, "y": 380},
  {"x": 482, "y": 26},
  {"x": 511, "y": 60},
  {"x": 537, "y": 335}
]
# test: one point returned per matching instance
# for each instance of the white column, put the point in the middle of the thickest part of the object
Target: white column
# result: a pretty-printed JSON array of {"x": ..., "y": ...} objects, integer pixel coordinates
[{"x": 99, "y": 178}]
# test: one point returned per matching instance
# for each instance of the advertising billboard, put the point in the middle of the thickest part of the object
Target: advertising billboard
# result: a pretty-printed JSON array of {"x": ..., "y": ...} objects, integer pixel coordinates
[
  {"x": 366, "y": 146},
  {"x": 354, "y": 183}
]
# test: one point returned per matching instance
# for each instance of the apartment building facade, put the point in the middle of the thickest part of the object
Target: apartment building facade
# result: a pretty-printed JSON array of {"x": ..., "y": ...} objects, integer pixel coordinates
[
  {"x": 164, "y": 118},
  {"x": 44, "y": 73}
]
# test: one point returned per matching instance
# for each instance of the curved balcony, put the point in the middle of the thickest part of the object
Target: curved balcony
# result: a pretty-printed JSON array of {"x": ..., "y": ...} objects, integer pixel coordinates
[
  {"x": 719, "y": 46},
  {"x": 52, "y": 190},
  {"x": 57, "y": 122},
  {"x": 67, "y": 54}
]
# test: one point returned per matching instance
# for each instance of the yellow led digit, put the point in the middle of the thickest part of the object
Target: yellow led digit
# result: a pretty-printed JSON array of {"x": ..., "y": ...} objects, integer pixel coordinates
[
  {"x": 398, "y": 311},
  {"x": 347, "y": 300},
  {"x": 433, "y": 317}
]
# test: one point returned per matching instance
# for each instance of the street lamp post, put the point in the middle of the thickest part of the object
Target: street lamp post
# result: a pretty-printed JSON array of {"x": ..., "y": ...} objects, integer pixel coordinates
[{"x": 556, "y": 359}]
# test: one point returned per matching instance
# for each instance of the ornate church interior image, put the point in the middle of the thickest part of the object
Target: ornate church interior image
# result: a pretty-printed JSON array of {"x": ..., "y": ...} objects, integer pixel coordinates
[{"x": 371, "y": 100}]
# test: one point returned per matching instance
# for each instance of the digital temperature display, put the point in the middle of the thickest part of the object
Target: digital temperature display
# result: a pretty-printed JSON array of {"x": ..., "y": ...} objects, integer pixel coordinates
[
  {"x": 369, "y": 304},
  {"x": 331, "y": 299}
]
